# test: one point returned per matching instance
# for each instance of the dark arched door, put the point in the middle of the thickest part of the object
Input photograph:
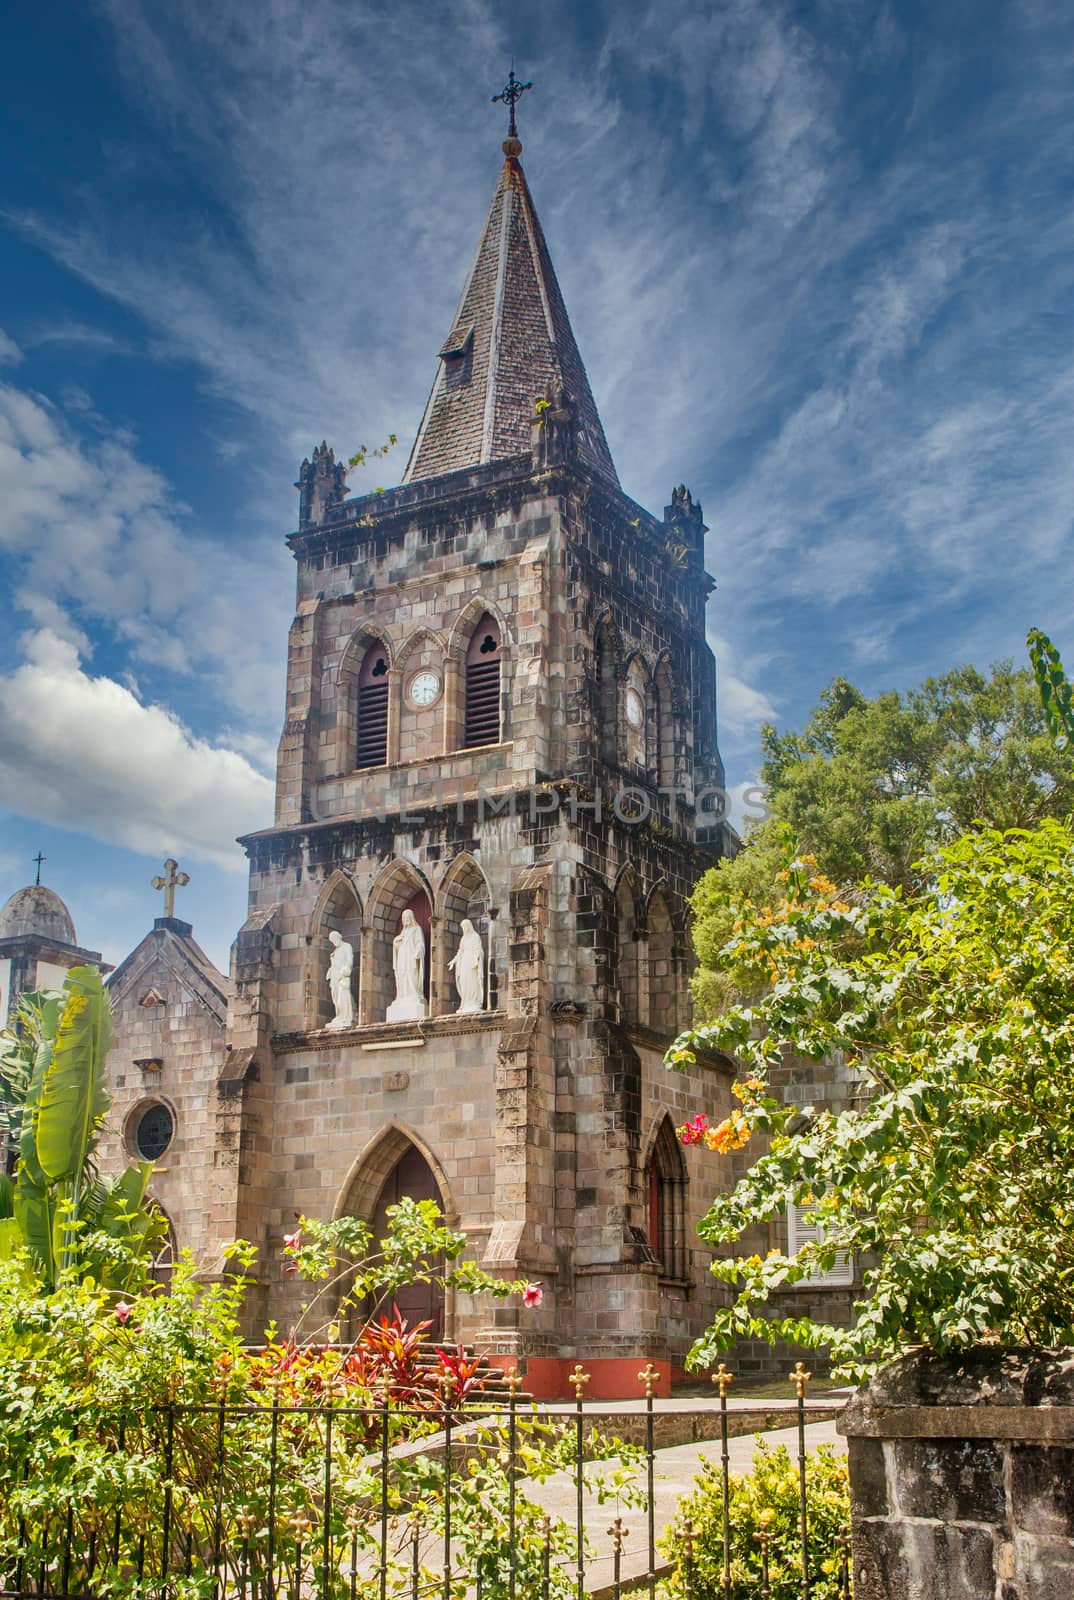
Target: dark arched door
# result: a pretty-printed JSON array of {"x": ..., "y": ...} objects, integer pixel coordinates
[{"x": 412, "y": 1177}]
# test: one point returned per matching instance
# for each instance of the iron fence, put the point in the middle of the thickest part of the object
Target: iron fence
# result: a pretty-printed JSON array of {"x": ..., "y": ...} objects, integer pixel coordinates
[{"x": 408, "y": 1496}]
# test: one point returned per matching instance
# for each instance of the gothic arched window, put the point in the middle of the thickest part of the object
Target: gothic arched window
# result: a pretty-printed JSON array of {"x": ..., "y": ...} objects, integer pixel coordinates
[
  {"x": 628, "y": 962},
  {"x": 666, "y": 1186},
  {"x": 482, "y": 695},
  {"x": 373, "y": 708}
]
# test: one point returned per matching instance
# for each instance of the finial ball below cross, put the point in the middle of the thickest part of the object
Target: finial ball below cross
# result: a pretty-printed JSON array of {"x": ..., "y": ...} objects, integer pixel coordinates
[{"x": 173, "y": 879}]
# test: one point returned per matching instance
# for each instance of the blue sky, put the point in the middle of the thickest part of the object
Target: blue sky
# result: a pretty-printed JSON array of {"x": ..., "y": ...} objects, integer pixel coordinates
[{"x": 818, "y": 257}]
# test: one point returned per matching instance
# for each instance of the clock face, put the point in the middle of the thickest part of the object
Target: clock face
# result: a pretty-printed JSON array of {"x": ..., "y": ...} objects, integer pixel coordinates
[
  {"x": 424, "y": 688},
  {"x": 635, "y": 708}
]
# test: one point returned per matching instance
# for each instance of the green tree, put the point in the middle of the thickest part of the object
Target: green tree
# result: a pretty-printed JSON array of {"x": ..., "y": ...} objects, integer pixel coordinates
[
  {"x": 952, "y": 1180},
  {"x": 870, "y": 786}
]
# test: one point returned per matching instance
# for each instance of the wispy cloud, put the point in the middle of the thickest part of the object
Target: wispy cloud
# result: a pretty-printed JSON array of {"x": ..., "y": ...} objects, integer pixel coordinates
[
  {"x": 818, "y": 268},
  {"x": 77, "y": 335},
  {"x": 94, "y": 535}
]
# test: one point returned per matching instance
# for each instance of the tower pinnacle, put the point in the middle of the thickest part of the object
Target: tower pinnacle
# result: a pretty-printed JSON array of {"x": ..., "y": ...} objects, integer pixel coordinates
[{"x": 510, "y": 343}]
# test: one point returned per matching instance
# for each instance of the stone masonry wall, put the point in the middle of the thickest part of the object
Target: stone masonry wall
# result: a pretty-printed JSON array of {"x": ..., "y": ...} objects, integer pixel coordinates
[
  {"x": 962, "y": 1477},
  {"x": 169, "y": 1006},
  {"x": 539, "y": 1117}
]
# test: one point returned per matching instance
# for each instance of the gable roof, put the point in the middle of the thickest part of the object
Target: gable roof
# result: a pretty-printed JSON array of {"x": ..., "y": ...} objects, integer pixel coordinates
[{"x": 179, "y": 953}]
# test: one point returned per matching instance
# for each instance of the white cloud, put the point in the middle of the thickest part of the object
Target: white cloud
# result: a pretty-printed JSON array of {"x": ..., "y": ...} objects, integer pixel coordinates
[
  {"x": 78, "y": 335},
  {"x": 10, "y": 354},
  {"x": 747, "y": 804},
  {"x": 742, "y": 707},
  {"x": 84, "y": 753},
  {"x": 95, "y": 535}
]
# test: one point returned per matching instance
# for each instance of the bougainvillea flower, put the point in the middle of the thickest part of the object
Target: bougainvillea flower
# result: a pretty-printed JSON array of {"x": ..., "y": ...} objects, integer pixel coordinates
[{"x": 693, "y": 1132}]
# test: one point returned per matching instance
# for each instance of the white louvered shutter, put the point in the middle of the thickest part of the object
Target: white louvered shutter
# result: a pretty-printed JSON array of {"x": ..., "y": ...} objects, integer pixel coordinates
[{"x": 800, "y": 1232}]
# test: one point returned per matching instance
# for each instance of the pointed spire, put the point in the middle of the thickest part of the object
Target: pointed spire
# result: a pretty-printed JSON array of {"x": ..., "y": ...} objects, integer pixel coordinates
[{"x": 510, "y": 344}]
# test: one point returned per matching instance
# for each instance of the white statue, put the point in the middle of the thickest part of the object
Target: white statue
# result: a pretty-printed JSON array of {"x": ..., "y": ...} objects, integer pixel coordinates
[
  {"x": 468, "y": 964},
  {"x": 340, "y": 969},
  {"x": 408, "y": 959}
]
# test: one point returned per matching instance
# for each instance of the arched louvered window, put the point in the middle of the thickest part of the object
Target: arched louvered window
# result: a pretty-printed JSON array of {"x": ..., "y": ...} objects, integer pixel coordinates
[
  {"x": 373, "y": 708},
  {"x": 482, "y": 719}
]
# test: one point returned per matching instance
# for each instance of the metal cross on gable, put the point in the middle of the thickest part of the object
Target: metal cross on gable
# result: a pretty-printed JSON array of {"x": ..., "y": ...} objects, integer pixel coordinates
[
  {"x": 38, "y": 860},
  {"x": 512, "y": 94},
  {"x": 173, "y": 879}
]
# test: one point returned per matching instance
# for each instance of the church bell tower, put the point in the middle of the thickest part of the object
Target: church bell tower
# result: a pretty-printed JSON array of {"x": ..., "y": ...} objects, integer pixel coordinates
[{"x": 498, "y": 779}]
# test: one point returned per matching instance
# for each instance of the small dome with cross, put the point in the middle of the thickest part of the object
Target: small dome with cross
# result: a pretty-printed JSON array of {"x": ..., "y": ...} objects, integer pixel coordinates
[{"x": 37, "y": 912}]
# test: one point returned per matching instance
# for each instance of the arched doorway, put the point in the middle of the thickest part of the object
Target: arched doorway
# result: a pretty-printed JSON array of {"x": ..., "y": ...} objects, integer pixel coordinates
[{"x": 411, "y": 1178}]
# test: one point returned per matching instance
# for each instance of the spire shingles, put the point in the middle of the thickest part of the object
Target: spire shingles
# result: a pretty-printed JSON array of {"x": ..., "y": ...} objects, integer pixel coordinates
[{"x": 510, "y": 340}]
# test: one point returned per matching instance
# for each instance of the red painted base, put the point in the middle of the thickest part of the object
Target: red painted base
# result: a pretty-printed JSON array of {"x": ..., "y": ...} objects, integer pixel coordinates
[{"x": 610, "y": 1377}]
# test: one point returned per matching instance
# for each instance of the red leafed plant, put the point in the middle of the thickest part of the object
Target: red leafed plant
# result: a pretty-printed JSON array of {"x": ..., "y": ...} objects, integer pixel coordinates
[{"x": 389, "y": 1355}]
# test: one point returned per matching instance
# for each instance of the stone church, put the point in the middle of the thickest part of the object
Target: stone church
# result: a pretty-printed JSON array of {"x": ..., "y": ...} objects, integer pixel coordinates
[{"x": 499, "y": 745}]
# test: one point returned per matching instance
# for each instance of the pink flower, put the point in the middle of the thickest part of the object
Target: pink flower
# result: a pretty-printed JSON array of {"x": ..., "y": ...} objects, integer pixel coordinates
[
  {"x": 532, "y": 1295},
  {"x": 123, "y": 1311},
  {"x": 291, "y": 1241},
  {"x": 291, "y": 1267},
  {"x": 693, "y": 1131}
]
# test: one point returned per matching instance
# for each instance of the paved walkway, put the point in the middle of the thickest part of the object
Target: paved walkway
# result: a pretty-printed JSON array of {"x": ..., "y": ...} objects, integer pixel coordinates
[{"x": 675, "y": 1471}]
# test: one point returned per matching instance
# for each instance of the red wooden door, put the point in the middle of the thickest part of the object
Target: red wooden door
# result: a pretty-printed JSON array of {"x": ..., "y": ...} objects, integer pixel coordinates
[{"x": 412, "y": 1177}]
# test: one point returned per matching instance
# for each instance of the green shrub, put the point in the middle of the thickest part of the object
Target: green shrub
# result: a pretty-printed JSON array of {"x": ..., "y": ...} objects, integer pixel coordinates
[{"x": 765, "y": 1500}]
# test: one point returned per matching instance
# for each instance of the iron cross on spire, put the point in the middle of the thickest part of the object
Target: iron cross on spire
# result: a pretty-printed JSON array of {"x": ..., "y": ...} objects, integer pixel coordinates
[
  {"x": 173, "y": 879},
  {"x": 511, "y": 95},
  {"x": 38, "y": 859}
]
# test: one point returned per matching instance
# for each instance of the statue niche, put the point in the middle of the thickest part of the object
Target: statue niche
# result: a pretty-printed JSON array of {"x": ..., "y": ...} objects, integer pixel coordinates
[
  {"x": 408, "y": 964},
  {"x": 468, "y": 966},
  {"x": 340, "y": 977}
]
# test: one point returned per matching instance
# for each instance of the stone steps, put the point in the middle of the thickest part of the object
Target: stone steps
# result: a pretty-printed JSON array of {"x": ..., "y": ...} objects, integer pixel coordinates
[{"x": 493, "y": 1379}]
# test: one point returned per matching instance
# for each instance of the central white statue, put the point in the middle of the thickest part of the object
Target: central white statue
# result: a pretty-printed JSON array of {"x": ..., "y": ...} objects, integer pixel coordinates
[
  {"x": 468, "y": 964},
  {"x": 408, "y": 960},
  {"x": 340, "y": 969}
]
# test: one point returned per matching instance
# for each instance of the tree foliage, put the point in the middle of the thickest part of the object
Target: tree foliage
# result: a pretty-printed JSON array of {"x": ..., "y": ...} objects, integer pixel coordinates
[
  {"x": 763, "y": 1502},
  {"x": 871, "y": 786},
  {"x": 952, "y": 1181},
  {"x": 146, "y": 1436}
]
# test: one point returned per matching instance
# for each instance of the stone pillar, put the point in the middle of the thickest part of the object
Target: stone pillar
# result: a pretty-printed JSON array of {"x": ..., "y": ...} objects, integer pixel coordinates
[
  {"x": 296, "y": 761},
  {"x": 962, "y": 1477}
]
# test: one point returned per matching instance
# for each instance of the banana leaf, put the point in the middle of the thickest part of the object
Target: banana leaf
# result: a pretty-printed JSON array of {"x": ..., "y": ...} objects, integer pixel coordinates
[
  {"x": 117, "y": 1211},
  {"x": 73, "y": 1098},
  {"x": 10, "y": 1237},
  {"x": 35, "y": 1213},
  {"x": 7, "y": 1197},
  {"x": 27, "y": 1145}
]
